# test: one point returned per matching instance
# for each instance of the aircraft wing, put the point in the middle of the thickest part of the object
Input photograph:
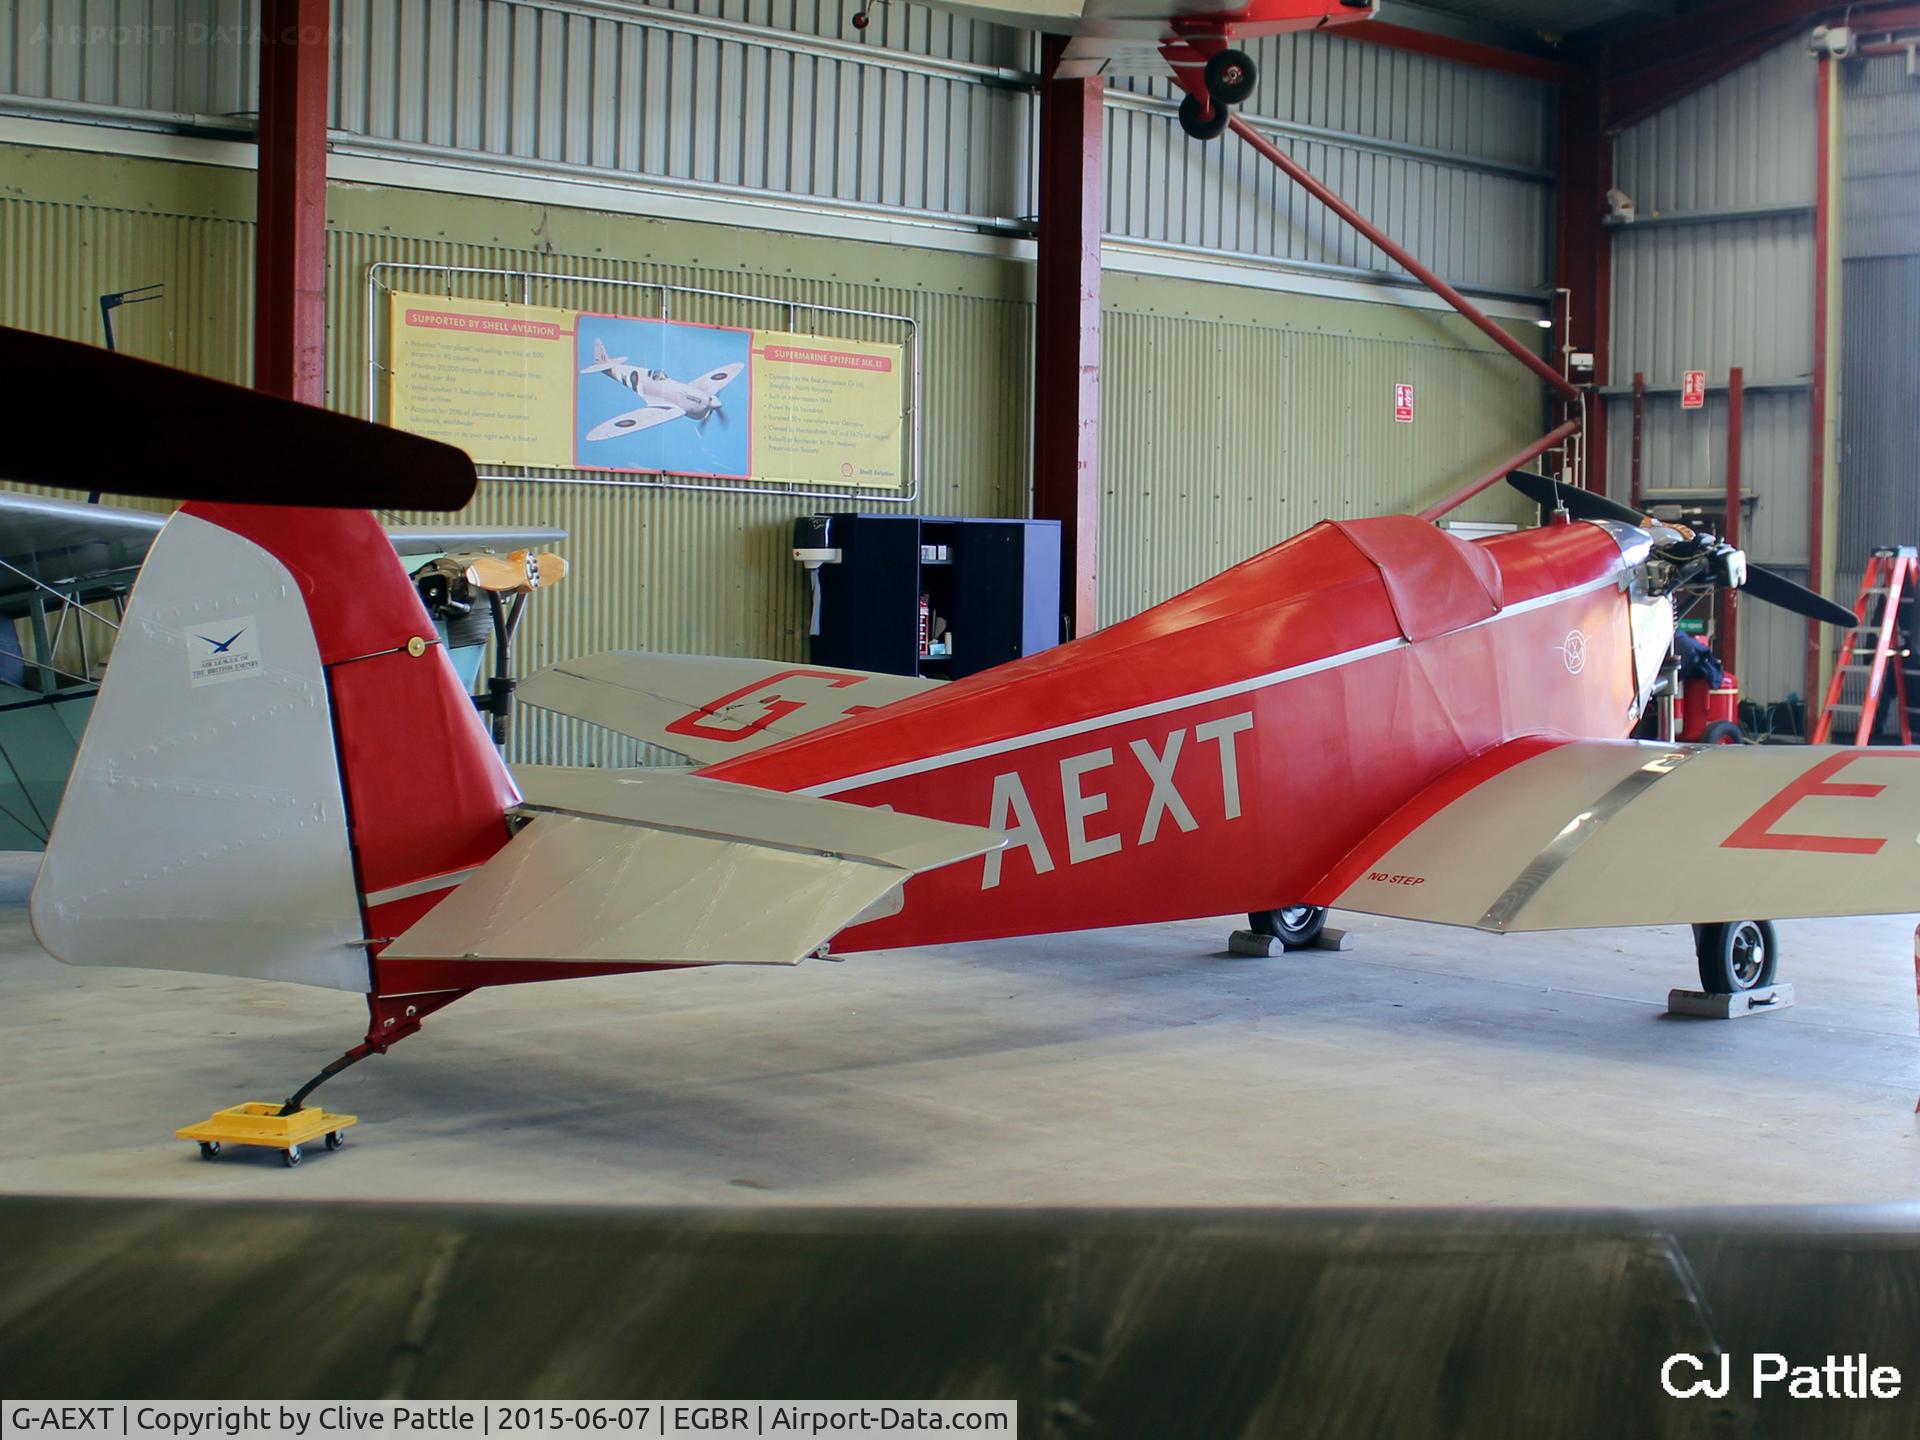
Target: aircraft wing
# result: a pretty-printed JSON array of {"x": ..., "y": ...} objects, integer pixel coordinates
[
  {"x": 69, "y": 546},
  {"x": 93, "y": 549},
  {"x": 635, "y": 421},
  {"x": 714, "y": 381},
  {"x": 1546, "y": 834},
  {"x": 706, "y": 707},
  {"x": 641, "y": 867}
]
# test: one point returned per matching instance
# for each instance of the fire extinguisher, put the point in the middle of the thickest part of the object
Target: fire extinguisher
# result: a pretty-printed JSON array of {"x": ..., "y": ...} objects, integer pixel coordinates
[{"x": 926, "y": 627}]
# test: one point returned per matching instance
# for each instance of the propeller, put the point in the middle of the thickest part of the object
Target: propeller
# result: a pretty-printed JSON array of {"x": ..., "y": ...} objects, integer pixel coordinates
[
  {"x": 92, "y": 419},
  {"x": 1762, "y": 584}
]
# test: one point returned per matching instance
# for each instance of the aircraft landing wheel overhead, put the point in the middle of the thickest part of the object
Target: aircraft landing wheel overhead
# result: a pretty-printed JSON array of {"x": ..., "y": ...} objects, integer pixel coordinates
[
  {"x": 1230, "y": 77},
  {"x": 1203, "y": 127},
  {"x": 1294, "y": 926},
  {"x": 1736, "y": 955}
]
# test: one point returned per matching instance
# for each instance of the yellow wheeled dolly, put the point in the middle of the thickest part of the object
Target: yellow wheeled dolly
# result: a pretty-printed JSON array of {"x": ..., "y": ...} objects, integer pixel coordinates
[{"x": 262, "y": 1123}]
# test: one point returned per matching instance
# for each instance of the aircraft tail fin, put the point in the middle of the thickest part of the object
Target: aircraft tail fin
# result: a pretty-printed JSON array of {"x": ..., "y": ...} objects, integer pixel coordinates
[
  {"x": 603, "y": 363},
  {"x": 243, "y": 802}
]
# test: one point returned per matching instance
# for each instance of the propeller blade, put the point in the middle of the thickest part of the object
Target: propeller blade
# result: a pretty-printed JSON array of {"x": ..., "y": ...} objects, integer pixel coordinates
[
  {"x": 90, "y": 419},
  {"x": 1581, "y": 504},
  {"x": 1762, "y": 584},
  {"x": 1765, "y": 585}
]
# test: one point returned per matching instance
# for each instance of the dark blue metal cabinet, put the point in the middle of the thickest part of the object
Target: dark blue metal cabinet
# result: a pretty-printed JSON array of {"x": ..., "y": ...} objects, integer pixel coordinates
[{"x": 998, "y": 589}]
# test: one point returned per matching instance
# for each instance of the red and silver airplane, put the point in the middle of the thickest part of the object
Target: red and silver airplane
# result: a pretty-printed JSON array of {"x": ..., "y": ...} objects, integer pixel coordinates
[{"x": 1374, "y": 715}]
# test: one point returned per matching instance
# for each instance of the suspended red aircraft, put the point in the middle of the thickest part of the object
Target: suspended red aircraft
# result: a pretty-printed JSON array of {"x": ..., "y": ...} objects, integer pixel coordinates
[
  {"x": 284, "y": 778},
  {"x": 1143, "y": 37}
]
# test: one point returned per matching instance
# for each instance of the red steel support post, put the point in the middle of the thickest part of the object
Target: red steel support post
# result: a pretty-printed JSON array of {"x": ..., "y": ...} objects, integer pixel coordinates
[
  {"x": 1500, "y": 472},
  {"x": 1730, "y": 599},
  {"x": 290, "y": 241},
  {"x": 1066, "y": 343},
  {"x": 1583, "y": 256}
]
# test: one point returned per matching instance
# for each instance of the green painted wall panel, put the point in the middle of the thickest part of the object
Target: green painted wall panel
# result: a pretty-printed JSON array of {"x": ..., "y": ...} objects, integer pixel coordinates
[{"x": 1233, "y": 417}]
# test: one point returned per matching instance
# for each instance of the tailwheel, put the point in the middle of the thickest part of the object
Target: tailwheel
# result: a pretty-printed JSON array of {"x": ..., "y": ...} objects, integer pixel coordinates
[
  {"x": 1230, "y": 77},
  {"x": 1294, "y": 926},
  {"x": 1736, "y": 955},
  {"x": 1203, "y": 123}
]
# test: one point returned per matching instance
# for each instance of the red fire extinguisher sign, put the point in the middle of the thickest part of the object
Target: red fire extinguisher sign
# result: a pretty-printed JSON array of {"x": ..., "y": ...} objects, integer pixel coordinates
[
  {"x": 1693, "y": 390},
  {"x": 1403, "y": 403}
]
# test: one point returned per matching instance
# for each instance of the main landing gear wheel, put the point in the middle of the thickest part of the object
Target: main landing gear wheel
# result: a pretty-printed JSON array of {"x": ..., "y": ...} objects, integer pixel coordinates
[
  {"x": 1230, "y": 77},
  {"x": 1294, "y": 926},
  {"x": 1201, "y": 126},
  {"x": 1736, "y": 956}
]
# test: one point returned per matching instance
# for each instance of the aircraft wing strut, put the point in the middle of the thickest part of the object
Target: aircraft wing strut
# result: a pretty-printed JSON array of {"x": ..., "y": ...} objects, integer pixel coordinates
[{"x": 1548, "y": 834}]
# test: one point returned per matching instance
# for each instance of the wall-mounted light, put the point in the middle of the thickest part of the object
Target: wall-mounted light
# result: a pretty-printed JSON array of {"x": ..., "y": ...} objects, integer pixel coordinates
[{"x": 1544, "y": 323}]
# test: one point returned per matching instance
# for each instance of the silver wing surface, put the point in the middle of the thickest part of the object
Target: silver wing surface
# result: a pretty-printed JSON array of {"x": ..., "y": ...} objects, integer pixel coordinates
[
  {"x": 709, "y": 708},
  {"x": 639, "y": 867},
  {"x": 1545, "y": 834},
  {"x": 89, "y": 550},
  {"x": 634, "y": 421}
]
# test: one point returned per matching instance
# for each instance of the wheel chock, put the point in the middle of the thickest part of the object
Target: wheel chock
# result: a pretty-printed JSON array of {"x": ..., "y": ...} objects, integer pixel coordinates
[
  {"x": 1701, "y": 1006},
  {"x": 260, "y": 1123},
  {"x": 1253, "y": 942}
]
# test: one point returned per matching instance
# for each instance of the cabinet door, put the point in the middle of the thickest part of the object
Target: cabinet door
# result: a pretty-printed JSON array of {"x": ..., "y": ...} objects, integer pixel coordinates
[
  {"x": 993, "y": 591},
  {"x": 870, "y": 601}
]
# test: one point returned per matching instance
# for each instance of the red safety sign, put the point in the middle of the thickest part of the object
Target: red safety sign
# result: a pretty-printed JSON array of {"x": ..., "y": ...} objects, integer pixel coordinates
[
  {"x": 1693, "y": 390},
  {"x": 1403, "y": 404}
]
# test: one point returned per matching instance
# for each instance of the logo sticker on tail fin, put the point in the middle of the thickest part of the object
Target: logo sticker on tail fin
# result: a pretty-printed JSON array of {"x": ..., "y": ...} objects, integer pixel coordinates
[{"x": 223, "y": 650}]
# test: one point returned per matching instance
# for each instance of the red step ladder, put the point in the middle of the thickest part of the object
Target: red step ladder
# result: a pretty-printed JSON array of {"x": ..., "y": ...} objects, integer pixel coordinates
[{"x": 1891, "y": 573}]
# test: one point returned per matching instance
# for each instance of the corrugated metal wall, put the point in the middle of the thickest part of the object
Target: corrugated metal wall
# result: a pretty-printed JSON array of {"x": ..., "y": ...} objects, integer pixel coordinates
[
  {"x": 1234, "y": 418},
  {"x": 1880, "y": 355},
  {"x": 1719, "y": 293},
  {"x": 928, "y": 118},
  {"x": 1449, "y": 160},
  {"x": 1222, "y": 437}
]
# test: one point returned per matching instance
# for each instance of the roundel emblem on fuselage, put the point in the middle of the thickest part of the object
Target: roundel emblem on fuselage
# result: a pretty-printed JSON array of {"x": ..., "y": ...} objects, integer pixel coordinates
[{"x": 1574, "y": 651}]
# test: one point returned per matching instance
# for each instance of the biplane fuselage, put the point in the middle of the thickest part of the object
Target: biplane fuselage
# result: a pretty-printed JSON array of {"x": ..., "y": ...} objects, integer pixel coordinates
[{"x": 1225, "y": 750}]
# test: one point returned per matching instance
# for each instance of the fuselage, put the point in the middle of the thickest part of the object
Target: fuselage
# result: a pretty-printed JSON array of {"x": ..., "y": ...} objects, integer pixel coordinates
[{"x": 1223, "y": 751}]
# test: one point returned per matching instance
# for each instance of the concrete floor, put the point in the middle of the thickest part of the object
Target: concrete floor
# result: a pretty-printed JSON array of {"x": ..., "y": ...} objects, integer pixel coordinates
[{"x": 1140, "y": 1066}]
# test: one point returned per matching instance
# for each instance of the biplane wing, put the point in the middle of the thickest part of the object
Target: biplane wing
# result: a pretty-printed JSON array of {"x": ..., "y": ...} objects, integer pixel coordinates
[
  {"x": 1550, "y": 834},
  {"x": 710, "y": 708},
  {"x": 645, "y": 868},
  {"x": 86, "y": 550}
]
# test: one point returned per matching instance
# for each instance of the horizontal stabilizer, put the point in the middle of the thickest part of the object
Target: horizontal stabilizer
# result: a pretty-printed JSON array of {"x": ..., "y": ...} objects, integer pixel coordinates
[
  {"x": 708, "y": 708},
  {"x": 648, "y": 868}
]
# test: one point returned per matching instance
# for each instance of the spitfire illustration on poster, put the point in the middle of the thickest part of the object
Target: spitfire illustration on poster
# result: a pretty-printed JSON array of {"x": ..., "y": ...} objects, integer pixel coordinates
[
  {"x": 537, "y": 387},
  {"x": 666, "y": 398}
]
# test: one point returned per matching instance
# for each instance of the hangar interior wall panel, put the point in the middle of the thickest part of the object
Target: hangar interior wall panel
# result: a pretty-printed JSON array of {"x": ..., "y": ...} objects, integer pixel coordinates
[
  {"x": 1225, "y": 431},
  {"x": 1237, "y": 416},
  {"x": 1717, "y": 294},
  {"x": 1880, "y": 355},
  {"x": 928, "y": 119}
]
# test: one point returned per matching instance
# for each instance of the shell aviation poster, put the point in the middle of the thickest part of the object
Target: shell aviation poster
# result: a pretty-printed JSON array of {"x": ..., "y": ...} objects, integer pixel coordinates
[{"x": 528, "y": 385}]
